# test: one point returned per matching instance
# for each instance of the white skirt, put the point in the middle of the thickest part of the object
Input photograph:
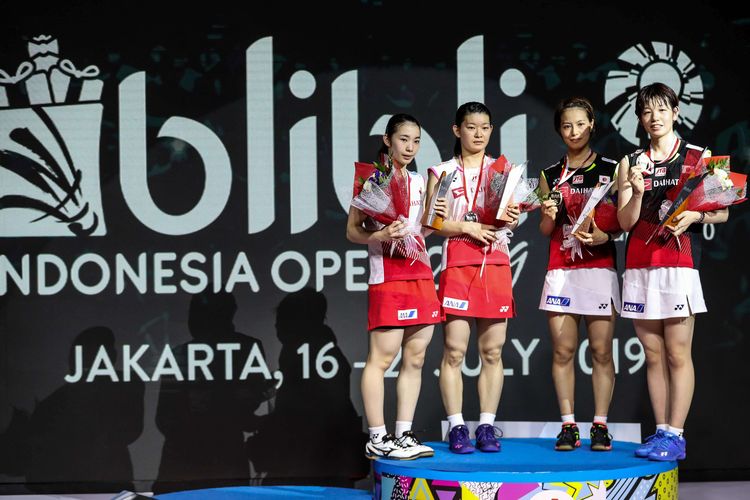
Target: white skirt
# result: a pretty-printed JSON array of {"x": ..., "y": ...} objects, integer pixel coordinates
[
  {"x": 662, "y": 292},
  {"x": 587, "y": 291}
]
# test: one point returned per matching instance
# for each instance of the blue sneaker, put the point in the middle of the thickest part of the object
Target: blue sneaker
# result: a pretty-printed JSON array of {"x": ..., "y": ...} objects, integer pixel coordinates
[
  {"x": 487, "y": 438},
  {"x": 671, "y": 447},
  {"x": 649, "y": 443},
  {"x": 459, "y": 440}
]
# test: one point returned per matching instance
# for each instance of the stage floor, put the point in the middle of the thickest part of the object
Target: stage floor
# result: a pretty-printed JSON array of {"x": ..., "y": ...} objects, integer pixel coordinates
[{"x": 527, "y": 468}]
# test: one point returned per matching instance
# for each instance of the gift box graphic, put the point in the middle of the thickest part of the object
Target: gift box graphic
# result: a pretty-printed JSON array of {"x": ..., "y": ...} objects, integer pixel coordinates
[{"x": 50, "y": 131}]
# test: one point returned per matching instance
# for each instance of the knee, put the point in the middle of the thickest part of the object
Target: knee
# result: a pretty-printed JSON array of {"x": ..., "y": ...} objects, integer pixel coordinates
[
  {"x": 381, "y": 361},
  {"x": 413, "y": 360},
  {"x": 562, "y": 355},
  {"x": 453, "y": 357},
  {"x": 491, "y": 355},
  {"x": 678, "y": 358},
  {"x": 601, "y": 354}
]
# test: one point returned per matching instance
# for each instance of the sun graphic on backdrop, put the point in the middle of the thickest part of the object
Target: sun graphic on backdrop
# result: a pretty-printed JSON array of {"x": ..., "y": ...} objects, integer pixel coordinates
[{"x": 642, "y": 65}]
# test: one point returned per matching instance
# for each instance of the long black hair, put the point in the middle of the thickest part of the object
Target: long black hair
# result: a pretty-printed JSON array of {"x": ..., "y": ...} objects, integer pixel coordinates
[{"x": 462, "y": 112}]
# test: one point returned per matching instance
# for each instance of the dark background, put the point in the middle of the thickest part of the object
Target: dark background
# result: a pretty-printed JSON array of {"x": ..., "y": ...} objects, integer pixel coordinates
[{"x": 105, "y": 436}]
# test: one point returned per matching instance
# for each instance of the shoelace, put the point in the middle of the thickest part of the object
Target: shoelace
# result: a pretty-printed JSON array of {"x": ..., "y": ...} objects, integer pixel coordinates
[
  {"x": 408, "y": 439},
  {"x": 463, "y": 433},
  {"x": 666, "y": 442},
  {"x": 567, "y": 430},
  {"x": 600, "y": 429},
  {"x": 496, "y": 432}
]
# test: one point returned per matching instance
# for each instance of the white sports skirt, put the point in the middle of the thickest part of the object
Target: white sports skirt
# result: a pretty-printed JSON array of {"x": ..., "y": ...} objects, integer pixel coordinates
[
  {"x": 587, "y": 291},
  {"x": 662, "y": 292}
]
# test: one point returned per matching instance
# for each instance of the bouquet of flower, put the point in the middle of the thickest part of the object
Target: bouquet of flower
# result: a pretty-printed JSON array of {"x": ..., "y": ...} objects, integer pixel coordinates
[
  {"x": 528, "y": 194},
  {"x": 381, "y": 191},
  {"x": 704, "y": 185},
  {"x": 582, "y": 210}
]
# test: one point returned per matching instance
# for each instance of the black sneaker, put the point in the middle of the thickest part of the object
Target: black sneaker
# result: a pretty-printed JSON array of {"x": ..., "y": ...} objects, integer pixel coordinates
[
  {"x": 569, "y": 438},
  {"x": 601, "y": 439}
]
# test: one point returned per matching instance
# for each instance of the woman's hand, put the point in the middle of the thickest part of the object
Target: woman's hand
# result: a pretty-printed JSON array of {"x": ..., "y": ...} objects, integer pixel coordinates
[
  {"x": 441, "y": 208},
  {"x": 682, "y": 221},
  {"x": 549, "y": 209},
  {"x": 479, "y": 232},
  {"x": 396, "y": 230},
  {"x": 593, "y": 238},
  {"x": 513, "y": 212},
  {"x": 635, "y": 177}
]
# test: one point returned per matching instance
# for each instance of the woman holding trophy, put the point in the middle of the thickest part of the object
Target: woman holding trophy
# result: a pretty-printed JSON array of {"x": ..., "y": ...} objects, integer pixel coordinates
[
  {"x": 661, "y": 286},
  {"x": 402, "y": 303},
  {"x": 475, "y": 280},
  {"x": 581, "y": 281}
]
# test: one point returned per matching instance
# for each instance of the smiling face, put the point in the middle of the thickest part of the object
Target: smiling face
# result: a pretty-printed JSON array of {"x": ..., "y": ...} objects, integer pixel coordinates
[
  {"x": 658, "y": 117},
  {"x": 404, "y": 143},
  {"x": 474, "y": 133},
  {"x": 575, "y": 128}
]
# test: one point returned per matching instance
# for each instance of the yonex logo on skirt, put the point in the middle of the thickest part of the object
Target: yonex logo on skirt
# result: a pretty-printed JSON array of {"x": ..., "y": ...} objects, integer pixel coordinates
[
  {"x": 407, "y": 314},
  {"x": 634, "y": 307},
  {"x": 461, "y": 305},
  {"x": 558, "y": 301}
]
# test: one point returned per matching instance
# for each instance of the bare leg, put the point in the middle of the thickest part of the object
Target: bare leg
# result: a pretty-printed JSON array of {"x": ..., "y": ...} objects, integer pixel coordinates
[
  {"x": 678, "y": 337},
  {"x": 416, "y": 340},
  {"x": 457, "y": 331},
  {"x": 651, "y": 334},
  {"x": 384, "y": 346},
  {"x": 601, "y": 329},
  {"x": 564, "y": 335},
  {"x": 491, "y": 338}
]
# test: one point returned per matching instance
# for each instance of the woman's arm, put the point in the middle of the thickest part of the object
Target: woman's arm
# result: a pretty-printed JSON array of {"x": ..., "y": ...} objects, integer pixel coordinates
[
  {"x": 548, "y": 209},
  {"x": 356, "y": 233},
  {"x": 630, "y": 189}
]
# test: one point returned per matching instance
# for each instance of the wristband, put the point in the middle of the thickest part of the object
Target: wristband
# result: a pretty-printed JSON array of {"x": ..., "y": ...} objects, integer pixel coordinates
[{"x": 703, "y": 216}]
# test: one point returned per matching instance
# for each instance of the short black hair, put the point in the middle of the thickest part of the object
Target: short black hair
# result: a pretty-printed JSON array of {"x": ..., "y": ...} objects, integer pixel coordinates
[{"x": 657, "y": 92}]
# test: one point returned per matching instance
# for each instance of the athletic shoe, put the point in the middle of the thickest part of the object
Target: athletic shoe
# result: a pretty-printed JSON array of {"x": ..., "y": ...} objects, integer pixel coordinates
[
  {"x": 648, "y": 444},
  {"x": 569, "y": 438},
  {"x": 487, "y": 438},
  {"x": 601, "y": 439},
  {"x": 390, "y": 448},
  {"x": 410, "y": 441},
  {"x": 670, "y": 447},
  {"x": 459, "y": 441}
]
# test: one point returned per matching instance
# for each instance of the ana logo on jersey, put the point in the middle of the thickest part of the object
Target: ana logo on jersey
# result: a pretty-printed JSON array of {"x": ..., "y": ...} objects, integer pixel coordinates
[
  {"x": 578, "y": 179},
  {"x": 660, "y": 171},
  {"x": 458, "y": 192},
  {"x": 404, "y": 314},
  {"x": 461, "y": 305},
  {"x": 604, "y": 179},
  {"x": 635, "y": 307},
  {"x": 553, "y": 300},
  {"x": 49, "y": 147}
]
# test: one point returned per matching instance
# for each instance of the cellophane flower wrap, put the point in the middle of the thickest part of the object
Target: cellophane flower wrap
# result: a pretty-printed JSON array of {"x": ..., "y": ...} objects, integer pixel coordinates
[
  {"x": 491, "y": 188},
  {"x": 528, "y": 194},
  {"x": 381, "y": 191},
  {"x": 604, "y": 217},
  {"x": 707, "y": 185}
]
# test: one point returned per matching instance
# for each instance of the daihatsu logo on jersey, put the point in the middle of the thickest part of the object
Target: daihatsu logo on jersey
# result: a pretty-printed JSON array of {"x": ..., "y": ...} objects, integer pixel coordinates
[
  {"x": 634, "y": 307},
  {"x": 553, "y": 300},
  {"x": 404, "y": 314},
  {"x": 461, "y": 305}
]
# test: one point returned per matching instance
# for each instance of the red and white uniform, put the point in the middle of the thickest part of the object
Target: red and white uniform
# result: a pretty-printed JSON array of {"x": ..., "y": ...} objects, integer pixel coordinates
[
  {"x": 587, "y": 285},
  {"x": 475, "y": 280},
  {"x": 401, "y": 290},
  {"x": 661, "y": 278}
]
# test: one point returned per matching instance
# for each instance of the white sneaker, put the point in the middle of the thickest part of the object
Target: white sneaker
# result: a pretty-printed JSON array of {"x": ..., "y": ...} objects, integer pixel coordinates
[
  {"x": 409, "y": 440},
  {"x": 389, "y": 447}
]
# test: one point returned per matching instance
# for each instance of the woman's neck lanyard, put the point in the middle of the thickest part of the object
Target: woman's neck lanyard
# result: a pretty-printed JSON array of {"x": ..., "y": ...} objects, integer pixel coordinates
[
  {"x": 676, "y": 144},
  {"x": 471, "y": 203},
  {"x": 568, "y": 172}
]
